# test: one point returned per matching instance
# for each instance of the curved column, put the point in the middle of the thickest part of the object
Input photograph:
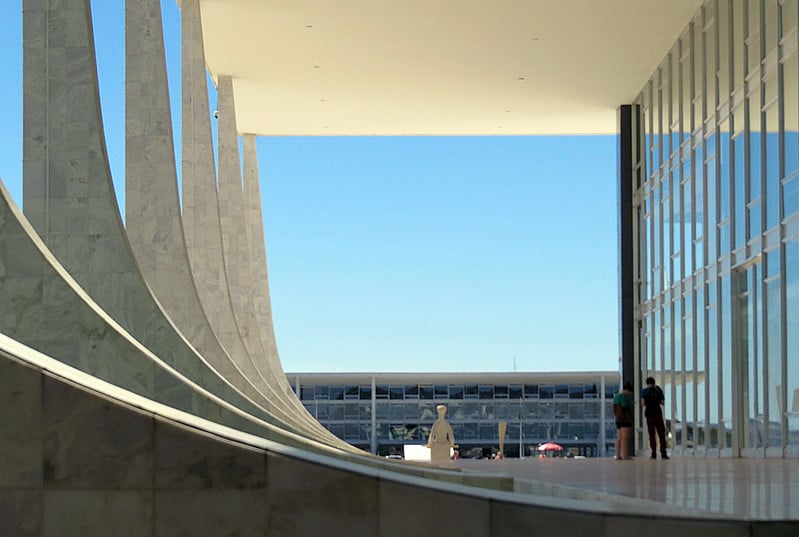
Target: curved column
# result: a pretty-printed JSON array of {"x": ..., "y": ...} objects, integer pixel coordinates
[
  {"x": 70, "y": 198},
  {"x": 201, "y": 215},
  {"x": 233, "y": 226},
  {"x": 45, "y": 309},
  {"x": 253, "y": 221},
  {"x": 153, "y": 220},
  {"x": 262, "y": 303},
  {"x": 235, "y": 245},
  {"x": 200, "y": 201},
  {"x": 67, "y": 190}
]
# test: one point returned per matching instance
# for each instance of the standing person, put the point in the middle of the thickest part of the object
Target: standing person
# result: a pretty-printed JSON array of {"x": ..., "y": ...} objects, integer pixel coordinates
[
  {"x": 652, "y": 399},
  {"x": 623, "y": 413}
]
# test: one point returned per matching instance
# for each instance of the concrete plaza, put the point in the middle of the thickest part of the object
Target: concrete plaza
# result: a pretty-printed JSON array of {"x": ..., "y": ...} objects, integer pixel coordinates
[{"x": 742, "y": 489}]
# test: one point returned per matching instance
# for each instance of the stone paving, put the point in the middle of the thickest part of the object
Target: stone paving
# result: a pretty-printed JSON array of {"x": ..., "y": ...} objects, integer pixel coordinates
[{"x": 749, "y": 489}]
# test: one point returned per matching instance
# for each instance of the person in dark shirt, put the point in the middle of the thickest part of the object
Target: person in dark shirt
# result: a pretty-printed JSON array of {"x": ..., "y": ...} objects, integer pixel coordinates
[{"x": 652, "y": 400}]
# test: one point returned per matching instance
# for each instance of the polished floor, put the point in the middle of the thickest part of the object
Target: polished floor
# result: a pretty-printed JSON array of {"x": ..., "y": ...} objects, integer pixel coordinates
[{"x": 748, "y": 489}]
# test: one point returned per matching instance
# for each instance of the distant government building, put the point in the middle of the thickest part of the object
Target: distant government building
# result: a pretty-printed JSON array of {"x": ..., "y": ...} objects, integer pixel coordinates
[
  {"x": 383, "y": 412},
  {"x": 141, "y": 388}
]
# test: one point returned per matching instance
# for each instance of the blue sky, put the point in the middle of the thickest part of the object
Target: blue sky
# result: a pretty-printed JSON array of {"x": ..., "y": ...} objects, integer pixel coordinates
[{"x": 405, "y": 253}]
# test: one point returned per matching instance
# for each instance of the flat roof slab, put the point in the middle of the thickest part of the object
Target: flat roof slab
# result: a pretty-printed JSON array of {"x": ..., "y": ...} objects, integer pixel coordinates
[{"x": 480, "y": 67}]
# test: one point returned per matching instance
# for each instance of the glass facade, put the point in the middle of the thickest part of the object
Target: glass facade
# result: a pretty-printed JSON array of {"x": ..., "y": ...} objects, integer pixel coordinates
[
  {"x": 382, "y": 413},
  {"x": 716, "y": 231}
]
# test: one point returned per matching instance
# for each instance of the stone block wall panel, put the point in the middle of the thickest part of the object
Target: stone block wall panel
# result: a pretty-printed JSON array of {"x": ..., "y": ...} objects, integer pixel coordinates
[
  {"x": 20, "y": 443},
  {"x": 337, "y": 503}
]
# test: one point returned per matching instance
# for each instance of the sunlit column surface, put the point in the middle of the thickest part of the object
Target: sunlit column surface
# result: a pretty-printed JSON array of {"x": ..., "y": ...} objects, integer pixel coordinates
[
  {"x": 71, "y": 200},
  {"x": 262, "y": 302},
  {"x": 152, "y": 202},
  {"x": 236, "y": 252},
  {"x": 200, "y": 202}
]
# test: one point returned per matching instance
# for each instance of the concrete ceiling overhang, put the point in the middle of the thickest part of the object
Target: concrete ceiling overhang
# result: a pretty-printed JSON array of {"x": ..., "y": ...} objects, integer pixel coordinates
[{"x": 437, "y": 67}]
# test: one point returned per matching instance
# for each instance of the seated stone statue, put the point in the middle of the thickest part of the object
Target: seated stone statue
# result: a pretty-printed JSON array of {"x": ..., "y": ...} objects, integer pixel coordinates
[{"x": 442, "y": 439}]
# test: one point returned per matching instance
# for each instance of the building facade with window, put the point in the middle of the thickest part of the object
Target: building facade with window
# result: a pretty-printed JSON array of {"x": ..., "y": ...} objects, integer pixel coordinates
[
  {"x": 382, "y": 412},
  {"x": 709, "y": 212}
]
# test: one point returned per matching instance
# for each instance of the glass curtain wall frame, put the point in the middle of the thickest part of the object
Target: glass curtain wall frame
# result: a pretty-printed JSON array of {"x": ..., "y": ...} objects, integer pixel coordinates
[{"x": 716, "y": 212}]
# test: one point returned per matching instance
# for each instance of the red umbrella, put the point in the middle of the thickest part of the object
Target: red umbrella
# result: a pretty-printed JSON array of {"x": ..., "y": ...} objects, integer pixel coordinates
[{"x": 550, "y": 446}]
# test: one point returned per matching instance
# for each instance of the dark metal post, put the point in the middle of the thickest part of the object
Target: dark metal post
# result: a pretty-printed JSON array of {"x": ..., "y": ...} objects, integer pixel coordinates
[{"x": 626, "y": 169}]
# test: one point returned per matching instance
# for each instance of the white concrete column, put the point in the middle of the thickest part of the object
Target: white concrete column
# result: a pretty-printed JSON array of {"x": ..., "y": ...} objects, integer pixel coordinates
[
  {"x": 232, "y": 223},
  {"x": 233, "y": 227},
  {"x": 72, "y": 202},
  {"x": 200, "y": 202},
  {"x": 262, "y": 302},
  {"x": 237, "y": 257},
  {"x": 201, "y": 214},
  {"x": 67, "y": 191},
  {"x": 153, "y": 223},
  {"x": 201, "y": 223},
  {"x": 256, "y": 244}
]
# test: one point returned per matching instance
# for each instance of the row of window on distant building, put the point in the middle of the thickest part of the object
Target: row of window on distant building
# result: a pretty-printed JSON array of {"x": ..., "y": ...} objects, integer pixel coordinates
[
  {"x": 445, "y": 391},
  {"x": 458, "y": 411}
]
